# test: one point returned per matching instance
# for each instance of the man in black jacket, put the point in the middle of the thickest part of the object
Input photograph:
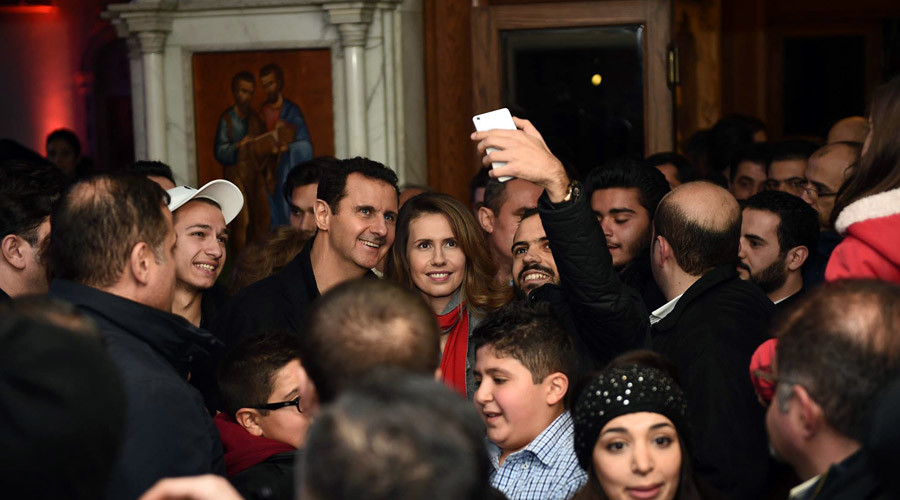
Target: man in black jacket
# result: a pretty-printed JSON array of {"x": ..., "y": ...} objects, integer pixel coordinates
[
  {"x": 356, "y": 216},
  {"x": 112, "y": 250},
  {"x": 709, "y": 328},
  {"x": 624, "y": 195},
  {"x": 837, "y": 355},
  {"x": 561, "y": 257}
]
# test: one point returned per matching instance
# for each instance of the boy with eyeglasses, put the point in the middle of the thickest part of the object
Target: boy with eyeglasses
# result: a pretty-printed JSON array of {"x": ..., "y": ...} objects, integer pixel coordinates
[{"x": 266, "y": 394}]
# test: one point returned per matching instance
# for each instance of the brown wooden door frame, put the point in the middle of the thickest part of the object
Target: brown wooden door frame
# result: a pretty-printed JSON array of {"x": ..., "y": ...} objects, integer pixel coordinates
[{"x": 655, "y": 15}]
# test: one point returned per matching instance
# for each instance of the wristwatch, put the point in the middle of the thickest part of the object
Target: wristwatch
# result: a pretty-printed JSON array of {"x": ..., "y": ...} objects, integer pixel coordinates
[{"x": 573, "y": 193}]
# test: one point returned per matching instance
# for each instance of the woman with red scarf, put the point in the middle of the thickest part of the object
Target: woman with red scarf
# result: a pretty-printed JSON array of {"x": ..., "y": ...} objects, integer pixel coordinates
[{"x": 440, "y": 251}]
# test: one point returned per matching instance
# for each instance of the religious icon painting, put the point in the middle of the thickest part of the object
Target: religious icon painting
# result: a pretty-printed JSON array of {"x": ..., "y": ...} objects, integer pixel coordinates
[{"x": 257, "y": 114}]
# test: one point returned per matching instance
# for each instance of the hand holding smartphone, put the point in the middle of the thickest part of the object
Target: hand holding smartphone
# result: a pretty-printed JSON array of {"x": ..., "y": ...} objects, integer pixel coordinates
[{"x": 497, "y": 119}]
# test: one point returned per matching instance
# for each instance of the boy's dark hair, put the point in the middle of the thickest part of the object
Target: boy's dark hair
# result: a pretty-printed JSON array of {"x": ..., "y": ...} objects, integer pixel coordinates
[
  {"x": 396, "y": 436},
  {"x": 95, "y": 226},
  {"x": 529, "y": 333},
  {"x": 364, "y": 324},
  {"x": 151, "y": 167},
  {"x": 243, "y": 76},
  {"x": 28, "y": 192},
  {"x": 696, "y": 248},
  {"x": 65, "y": 135},
  {"x": 759, "y": 153},
  {"x": 798, "y": 223},
  {"x": 247, "y": 374},
  {"x": 627, "y": 173},
  {"x": 683, "y": 167},
  {"x": 308, "y": 172},
  {"x": 333, "y": 183},
  {"x": 792, "y": 150}
]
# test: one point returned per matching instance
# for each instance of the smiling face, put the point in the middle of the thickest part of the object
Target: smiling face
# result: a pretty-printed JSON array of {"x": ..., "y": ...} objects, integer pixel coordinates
[
  {"x": 760, "y": 258},
  {"x": 638, "y": 456},
  {"x": 533, "y": 263},
  {"x": 514, "y": 408},
  {"x": 437, "y": 264},
  {"x": 362, "y": 231},
  {"x": 201, "y": 237},
  {"x": 625, "y": 222}
]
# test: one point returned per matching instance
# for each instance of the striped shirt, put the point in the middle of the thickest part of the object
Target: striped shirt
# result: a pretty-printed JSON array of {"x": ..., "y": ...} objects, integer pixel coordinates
[{"x": 546, "y": 469}]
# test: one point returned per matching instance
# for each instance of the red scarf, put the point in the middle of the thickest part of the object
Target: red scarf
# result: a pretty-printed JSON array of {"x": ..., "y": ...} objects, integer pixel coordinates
[{"x": 453, "y": 362}]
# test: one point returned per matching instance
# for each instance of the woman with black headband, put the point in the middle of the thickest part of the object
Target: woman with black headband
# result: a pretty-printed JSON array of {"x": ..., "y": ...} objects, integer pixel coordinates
[{"x": 632, "y": 436}]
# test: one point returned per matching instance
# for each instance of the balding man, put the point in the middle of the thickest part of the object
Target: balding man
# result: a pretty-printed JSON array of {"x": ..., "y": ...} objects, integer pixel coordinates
[
  {"x": 709, "y": 329},
  {"x": 853, "y": 129},
  {"x": 837, "y": 354},
  {"x": 828, "y": 168},
  {"x": 112, "y": 249}
]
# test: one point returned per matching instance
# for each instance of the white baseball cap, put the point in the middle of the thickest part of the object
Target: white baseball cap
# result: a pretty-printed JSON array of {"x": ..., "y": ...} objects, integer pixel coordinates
[{"x": 226, "y": 194}]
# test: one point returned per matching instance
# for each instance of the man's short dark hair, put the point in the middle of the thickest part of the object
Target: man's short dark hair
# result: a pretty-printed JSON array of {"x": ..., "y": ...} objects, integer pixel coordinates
[
  {"x": 64, "y": 134},
  {"x": 308, "y": 172},
  {"x": 149, "y": 168},
  {"x": 684, "y": 169},
  {"x": 696, "y": 248},
  {"x": 758, "y": 153},
  {"x": 792, "y": 150},
  {"x": 364, "y": 324},
  {"x": 243, "y": 76},
  {"x": 95, "y": 226},
  {"x": 480, "y": 180},
  {"x": 271, "y": 68},
  {"x": 63, "y": 411},
  {"x": 729, "y": 135},
  {"x": 626, "y": 173},
  {"x": 798, "y": 223},
  {"x": 247, "y": 374},
  {"x": 494, "y": 195},
  {"x": 530, "y": 213},
  {"x": 529, "y": 333},
  {"x": 333, "y": 183},
  {"x": 398, "y": 437},
  {"x": 840, "y": 343},
  {"x": 28, "y": 192}
]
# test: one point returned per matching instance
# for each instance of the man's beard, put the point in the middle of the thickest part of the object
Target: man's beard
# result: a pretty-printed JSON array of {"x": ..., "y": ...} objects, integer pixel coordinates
[
  {"x": 520, "y": 291},
  {"x": 273, "y": 97},
  {"x": 770, "y": 278}
]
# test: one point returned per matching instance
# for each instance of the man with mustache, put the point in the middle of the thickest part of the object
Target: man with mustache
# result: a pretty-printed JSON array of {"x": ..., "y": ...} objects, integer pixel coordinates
[
  {"x": 778, "y": 232},
  {"x": 603, "y": 316}
]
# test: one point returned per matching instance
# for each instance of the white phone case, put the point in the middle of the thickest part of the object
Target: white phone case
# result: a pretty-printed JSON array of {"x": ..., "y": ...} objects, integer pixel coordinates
[{"x": 497, "y": 119}]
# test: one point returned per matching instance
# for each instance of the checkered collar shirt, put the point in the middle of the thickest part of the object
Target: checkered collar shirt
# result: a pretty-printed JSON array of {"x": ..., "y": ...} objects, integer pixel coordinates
[{"x": 546, "y": 469}]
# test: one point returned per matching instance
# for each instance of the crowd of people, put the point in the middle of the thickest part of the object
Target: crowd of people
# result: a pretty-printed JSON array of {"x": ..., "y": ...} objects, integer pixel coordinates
[{"x": 723, "y": 326}]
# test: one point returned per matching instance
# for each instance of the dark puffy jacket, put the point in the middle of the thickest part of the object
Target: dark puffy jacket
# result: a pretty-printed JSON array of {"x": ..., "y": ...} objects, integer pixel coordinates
[
  {"x": 168, "y": 432},
  {"x": 604, "y": 316}
]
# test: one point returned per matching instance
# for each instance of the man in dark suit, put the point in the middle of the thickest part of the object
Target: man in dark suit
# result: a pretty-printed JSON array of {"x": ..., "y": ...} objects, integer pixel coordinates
[{"x": 709, "y": 329}]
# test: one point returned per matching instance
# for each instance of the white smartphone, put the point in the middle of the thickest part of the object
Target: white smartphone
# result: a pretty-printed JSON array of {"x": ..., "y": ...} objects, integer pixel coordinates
[{"x": 497, "y": 119}]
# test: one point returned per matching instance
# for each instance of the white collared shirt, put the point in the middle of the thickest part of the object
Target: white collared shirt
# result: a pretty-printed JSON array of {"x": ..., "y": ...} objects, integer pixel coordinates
[
  {"x": 800, "y": 490},
  {"x": 663, "y": 311}
]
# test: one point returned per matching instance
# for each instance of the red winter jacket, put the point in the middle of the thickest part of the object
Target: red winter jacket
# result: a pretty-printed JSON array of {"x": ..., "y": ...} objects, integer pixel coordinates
[{"x": 871, "y": 245}]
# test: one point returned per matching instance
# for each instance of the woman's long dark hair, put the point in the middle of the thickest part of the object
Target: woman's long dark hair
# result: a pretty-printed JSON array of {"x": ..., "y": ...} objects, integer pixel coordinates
[{"x": 878, "y": 170}]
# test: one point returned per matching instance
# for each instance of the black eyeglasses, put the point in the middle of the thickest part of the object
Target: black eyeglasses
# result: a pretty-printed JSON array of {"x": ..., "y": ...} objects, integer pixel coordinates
[{"x": 279, "y": 405}]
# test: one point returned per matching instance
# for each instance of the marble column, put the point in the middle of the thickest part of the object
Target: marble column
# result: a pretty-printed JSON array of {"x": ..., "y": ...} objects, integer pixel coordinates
[
  {"x": 136, "y": 67},
  {"x": 152, "y": 44},
  {"x": 353, "y": 25}
]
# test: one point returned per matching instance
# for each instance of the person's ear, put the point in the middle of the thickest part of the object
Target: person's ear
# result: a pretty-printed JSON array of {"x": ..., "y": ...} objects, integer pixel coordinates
[
  {"x": 486, "y": 219},
  {"x": 323, "y": 214},
  {"x": 248, "y": 418},
  {"x": 812, "y": 418},
  {"x": 796, "y": 257},
  {"x": 12, "y": 249},
  {"x": 437, "y": 374},
  {"x": 665, "y": 251},
  {"x": 557, "y": 385},
  {"x": 140, "y": 262}
]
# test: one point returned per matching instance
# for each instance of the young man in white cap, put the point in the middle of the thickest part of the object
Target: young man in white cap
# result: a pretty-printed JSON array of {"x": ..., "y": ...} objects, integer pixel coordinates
[{"x": 200, "y": 218}]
